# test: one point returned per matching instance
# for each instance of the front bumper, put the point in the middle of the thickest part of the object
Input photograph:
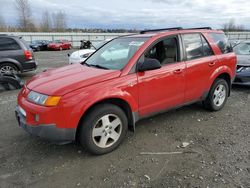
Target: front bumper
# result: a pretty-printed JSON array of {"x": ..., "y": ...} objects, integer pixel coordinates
[
  {"x": 76, "y": 60},
  {"x": 46, "y": 131},
  {"x": 242, "y": 78}
]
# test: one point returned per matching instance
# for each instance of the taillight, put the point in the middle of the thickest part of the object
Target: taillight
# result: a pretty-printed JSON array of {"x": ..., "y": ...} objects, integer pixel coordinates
[{"x": 28, "y": 55}]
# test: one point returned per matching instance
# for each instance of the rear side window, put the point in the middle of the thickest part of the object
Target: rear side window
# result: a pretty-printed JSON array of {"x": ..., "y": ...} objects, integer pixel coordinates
[
  {"x": 193, "y": 46},
  {"x": 222, "y": 42},
  {"x": 8, "y": 44},
  {"x": 207, "y": 51},
  {"x": 196, "y": 46}
]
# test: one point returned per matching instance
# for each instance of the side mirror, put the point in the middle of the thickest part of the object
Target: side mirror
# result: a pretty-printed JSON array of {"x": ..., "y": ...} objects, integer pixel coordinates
[{"x": 149, "y": 64}]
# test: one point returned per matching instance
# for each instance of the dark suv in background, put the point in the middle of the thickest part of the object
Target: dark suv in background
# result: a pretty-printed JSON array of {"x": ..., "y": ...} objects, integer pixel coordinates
[{"x": 15, "y": 55}]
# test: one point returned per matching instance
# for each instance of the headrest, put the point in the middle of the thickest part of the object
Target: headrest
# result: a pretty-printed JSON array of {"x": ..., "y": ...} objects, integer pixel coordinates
[{"x": 170, "y": 51}]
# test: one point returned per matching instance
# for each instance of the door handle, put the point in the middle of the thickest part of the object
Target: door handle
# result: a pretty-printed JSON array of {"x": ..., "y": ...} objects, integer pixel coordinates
[
  {"x": 178, "y": 71},
  {"x": 211, "y": 64}
]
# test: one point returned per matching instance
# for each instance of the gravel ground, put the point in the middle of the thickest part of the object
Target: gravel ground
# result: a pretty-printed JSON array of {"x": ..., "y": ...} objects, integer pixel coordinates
[{"x": 218, "y": 154}]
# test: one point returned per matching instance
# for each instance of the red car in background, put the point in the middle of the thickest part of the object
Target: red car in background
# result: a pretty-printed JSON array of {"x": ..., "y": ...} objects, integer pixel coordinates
[{"x": 60, "y": 45}]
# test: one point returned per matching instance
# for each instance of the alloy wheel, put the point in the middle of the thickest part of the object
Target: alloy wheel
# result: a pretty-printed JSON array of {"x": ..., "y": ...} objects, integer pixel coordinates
[
  {"x": 8, "y": 70},
  {"x": 107, "y": 130},
  {"x": 219, "y": 95}
]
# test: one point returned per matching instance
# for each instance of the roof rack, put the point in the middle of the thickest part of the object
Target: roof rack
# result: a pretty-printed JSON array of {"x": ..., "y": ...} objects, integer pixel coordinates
[
  {"x": 159, "y": 30},
  {"x": 199, "y": 28},
  {"x": 172, "y": 29}
]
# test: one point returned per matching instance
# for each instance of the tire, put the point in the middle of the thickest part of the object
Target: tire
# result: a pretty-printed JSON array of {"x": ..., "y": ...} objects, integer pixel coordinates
[
  {"x": 217, "y": 96},
  {"x": 10, "y": 82},
  {"x": 8, "y": 68},
  {"x": 38, "y": 49},
  {"x": 103, "y": 129}
]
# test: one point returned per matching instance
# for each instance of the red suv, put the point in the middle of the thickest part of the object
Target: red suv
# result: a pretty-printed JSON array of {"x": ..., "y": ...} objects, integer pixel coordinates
[{"x": 129, "y": 78}]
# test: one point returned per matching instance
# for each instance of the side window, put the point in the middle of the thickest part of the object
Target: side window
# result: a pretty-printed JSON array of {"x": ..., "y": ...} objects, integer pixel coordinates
[
  {"x": 207, "y": 51},
  {"x": 193, "y": 46},
  {"x": 165, "y": 51},
  {"x": 8, "y": 44},
  {"x": 222, "y": 42}
]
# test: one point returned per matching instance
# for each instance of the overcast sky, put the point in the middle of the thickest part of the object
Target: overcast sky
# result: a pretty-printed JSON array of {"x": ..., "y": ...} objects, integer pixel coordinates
[{"x": 138, "y": 14}]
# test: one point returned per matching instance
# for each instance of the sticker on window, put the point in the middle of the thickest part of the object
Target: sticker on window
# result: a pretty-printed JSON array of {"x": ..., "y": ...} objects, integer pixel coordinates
[{"x": 135, "y": 43}]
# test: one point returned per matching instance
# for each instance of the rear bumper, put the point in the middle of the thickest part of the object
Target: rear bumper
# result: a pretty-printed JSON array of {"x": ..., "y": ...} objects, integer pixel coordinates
[
  {"x": 46, "y": 131},
  {"x": 29, "y": 66}
]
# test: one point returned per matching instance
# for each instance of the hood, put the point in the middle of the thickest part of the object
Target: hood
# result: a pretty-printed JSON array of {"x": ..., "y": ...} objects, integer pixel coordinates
[
  {"x": 68, "y": 78},
  {"x": 78, "y": 53},
  {"x": 243, "y": 60}
]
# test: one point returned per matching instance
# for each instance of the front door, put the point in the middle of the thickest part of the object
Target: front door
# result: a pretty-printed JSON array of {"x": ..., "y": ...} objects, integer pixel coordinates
[{"x": 162, "y": 88}]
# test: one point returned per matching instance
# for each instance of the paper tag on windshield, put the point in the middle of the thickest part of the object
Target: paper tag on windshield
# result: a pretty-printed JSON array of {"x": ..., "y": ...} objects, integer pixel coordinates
[{"x": 135, "y": 43}]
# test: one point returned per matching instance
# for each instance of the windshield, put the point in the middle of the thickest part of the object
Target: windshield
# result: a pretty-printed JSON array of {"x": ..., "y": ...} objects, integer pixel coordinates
[
  {"x": 99, "y": 44},
  {"x": 57, "y": 41},
  {"x": 242, "y": 49},
  {"x": 36, "y": 42},
  {"x": 115, "y": 54}
]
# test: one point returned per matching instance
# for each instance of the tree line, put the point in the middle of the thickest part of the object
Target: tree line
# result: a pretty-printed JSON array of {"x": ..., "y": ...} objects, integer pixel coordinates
[{"x": 55, "y": 22}]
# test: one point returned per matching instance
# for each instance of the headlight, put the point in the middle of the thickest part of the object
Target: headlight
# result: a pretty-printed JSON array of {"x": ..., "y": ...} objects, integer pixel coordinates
[
  {"x": 42, "y": 99},
  {"x": 85, "y": 55},
  {"x": 243, "y": 69}
]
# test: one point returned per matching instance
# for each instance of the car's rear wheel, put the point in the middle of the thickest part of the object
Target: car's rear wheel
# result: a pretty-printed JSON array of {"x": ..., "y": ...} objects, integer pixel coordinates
[
  {"x": 8, "y": 68},
  {"x": 103, "y": 129},
  {"x": 217, "y": 96}
]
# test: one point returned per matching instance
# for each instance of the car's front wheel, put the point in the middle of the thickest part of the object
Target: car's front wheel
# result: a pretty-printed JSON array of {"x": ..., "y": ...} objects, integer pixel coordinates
[
  {"x": 103, "y": 129},
  {"x": 217, "y": 96}
]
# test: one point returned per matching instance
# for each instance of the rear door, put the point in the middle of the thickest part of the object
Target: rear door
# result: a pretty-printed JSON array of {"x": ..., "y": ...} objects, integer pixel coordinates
[
  {"x": 162, "y": 88},
  {"x": 201, "y": 63}
]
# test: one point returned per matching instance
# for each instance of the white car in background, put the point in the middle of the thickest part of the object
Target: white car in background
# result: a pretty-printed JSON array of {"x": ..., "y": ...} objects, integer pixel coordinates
[{"x": 81, "y": 55}]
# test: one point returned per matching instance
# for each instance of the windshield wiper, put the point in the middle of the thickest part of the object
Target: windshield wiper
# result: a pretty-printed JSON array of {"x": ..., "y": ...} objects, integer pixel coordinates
[{"x": 97, "y": 66}]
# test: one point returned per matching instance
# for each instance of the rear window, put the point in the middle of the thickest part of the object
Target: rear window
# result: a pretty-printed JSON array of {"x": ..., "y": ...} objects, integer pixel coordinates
[
  {"x": 8, "y": 44},
  {"x": 222, "y": 42},
  {"x": 25, "y": 43}
]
